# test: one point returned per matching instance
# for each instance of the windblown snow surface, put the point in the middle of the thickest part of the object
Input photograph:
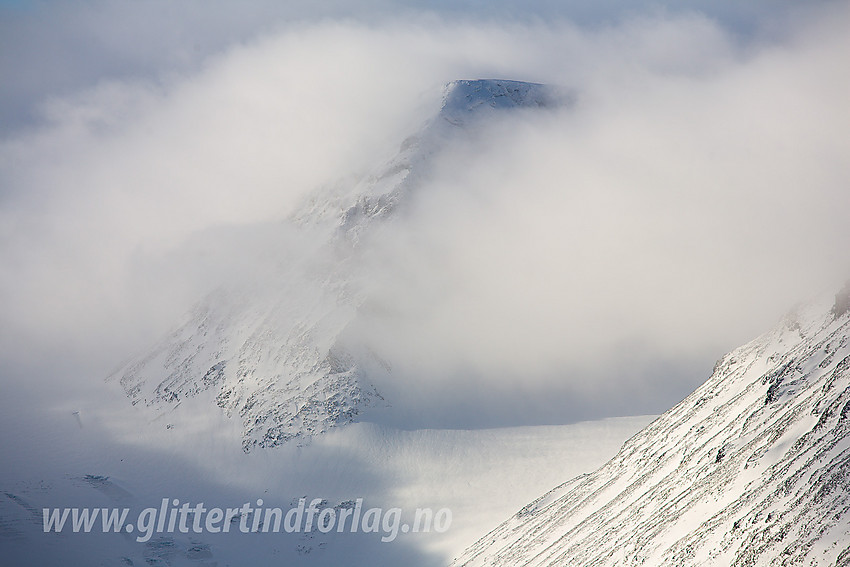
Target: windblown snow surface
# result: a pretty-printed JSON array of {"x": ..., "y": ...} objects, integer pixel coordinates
[{"x": 753, "y": 468}]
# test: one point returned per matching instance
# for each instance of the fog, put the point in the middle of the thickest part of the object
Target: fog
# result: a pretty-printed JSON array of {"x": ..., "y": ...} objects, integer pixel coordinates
[{"x": 587, "y": 261}]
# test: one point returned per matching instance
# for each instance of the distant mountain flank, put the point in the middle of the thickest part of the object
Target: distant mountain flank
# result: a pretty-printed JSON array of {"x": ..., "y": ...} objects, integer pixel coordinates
[
  {"x": 753, "y": 468},
  {"x": 284, "y": 365}
]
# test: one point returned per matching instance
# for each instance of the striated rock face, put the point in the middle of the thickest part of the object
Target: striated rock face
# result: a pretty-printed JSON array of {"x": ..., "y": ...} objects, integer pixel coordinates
[
  {"x": 283, "y": 364},
  {"x": 842, "y": 301},
  {"x": 753, "y": 468}
]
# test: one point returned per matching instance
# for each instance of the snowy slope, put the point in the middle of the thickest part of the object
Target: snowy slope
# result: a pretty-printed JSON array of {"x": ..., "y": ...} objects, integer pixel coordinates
[
  {"x": 753, "y": 468},
  {"x": 282, "y": 363}
]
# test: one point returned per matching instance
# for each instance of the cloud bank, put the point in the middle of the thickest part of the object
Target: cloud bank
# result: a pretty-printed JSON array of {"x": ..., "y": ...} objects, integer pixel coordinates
[{"x": 585, "y": 262}]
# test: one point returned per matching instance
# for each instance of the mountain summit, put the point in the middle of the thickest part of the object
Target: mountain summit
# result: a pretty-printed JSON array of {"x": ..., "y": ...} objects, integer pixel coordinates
[
  {"x": 348, "y": 208},
  {"x": 284, "y": 365},
  {"x": 753, "y": 468},
  {"x": 463, "y": 100}
]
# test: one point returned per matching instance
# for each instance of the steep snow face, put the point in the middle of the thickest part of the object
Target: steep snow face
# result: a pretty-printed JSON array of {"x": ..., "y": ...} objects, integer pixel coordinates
[
  {"x": 753, "y": 468},
  {"x": 283, "y": 364}
]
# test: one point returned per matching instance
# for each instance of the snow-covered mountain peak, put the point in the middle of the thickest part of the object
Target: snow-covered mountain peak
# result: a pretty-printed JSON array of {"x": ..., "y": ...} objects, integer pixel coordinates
[
  {"x": 349, "y": 206},
  {"x": 285, "y": 365}
]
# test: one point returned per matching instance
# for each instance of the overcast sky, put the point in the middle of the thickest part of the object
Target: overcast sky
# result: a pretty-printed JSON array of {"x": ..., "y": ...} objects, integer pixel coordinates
[{"x": 608, "y": 253}]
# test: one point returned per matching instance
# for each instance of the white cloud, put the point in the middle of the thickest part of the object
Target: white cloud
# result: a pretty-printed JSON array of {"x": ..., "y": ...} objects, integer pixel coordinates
[
  {"x": 666, "y": 218},
  {"x": 693, "y": 192}
]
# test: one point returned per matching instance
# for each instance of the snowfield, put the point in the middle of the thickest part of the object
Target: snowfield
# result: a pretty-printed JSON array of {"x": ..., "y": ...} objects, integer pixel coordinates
[{"x": 96, "y": 458}]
